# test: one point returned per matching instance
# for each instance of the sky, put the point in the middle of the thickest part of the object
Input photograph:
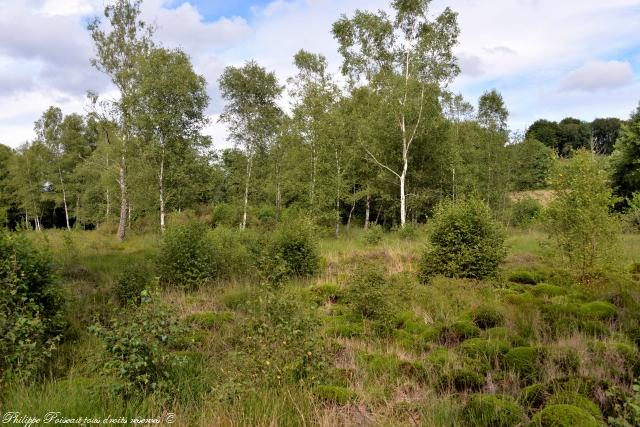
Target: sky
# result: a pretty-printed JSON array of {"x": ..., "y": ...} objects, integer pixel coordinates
[{"x": 549, "y": 59}]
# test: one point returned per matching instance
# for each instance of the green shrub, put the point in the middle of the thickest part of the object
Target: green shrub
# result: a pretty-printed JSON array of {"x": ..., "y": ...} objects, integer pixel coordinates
[
  {"x": 187, "y": 255},
  {"x": 504, "y": 334},
  {"x": 368, "y": 292},
  {"x": 335, "y": 394},
  {"x": 373, "y": 235},
  {"x": 132, "y": 280},
  {"x": 466, "y": 241},
  {"x": 626, "y": 412},
  {"x": 290, "y": 252},
  {"x": 329, "y": 292},
  {"x": 489, "y": 350},
  {"x": 138, "y": 345},
  {"x": 526, "y": 277},
  {"x": 525, "y": 361},
  {"x": 484, "y": 410},
  {"x": 32, "y": 319},
  {"x": 563, "y": 416},
  {"x": 577, "y": 400},
  {"x": 598, "y": 310},
  {"x": 566, "y": 359},
  {"x": 525, "y": 212},
  {"x": 440, "y": 357},
  {"x": 487, "y": 317},
  {"x": 344, "y": 326}
]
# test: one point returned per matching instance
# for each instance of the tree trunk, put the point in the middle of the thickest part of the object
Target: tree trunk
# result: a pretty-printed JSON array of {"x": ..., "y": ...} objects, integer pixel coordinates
[
  {"x": 338, "y": 179},
  {"x": 161, "y": 182},
  {"x": 243, "y": 226},
  {"x": 353, "y": 208},
  {"x": 403, "y": 201},
  {"x": 64, "y": 202},
  {"x": 124, "y": 203},
  {"x": 367, "y": 211}
]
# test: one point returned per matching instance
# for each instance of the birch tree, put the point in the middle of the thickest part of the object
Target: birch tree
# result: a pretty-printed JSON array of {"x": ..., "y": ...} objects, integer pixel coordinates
[
  {"x": 402, "y": 58},
  {"x": 251, "y": 114},
  {"x": 118, "y": 48}
]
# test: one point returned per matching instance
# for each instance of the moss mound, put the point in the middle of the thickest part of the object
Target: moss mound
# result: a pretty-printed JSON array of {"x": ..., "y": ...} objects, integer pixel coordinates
[
  {"x": 459, "y": 331},
  {"x": 487, "y": 317},
  {"x": 549, "y": 291},
  {"x": 492, "y": 411},
  {"x": 563, "y": 416},
  {"x": 489, "y": 350},
  {"x": 525, "y": 361},
  {"x": 460, "y": 380},
  {"x": 533, "y": 396},
  {"x": 334, "y": 394},
  {"x": 598, "y": 310},
  {"x": 575, "y": 399}
]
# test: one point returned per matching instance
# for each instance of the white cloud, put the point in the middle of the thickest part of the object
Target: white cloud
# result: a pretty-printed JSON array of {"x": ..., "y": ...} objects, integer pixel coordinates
[{"x": 599, "y": 75}]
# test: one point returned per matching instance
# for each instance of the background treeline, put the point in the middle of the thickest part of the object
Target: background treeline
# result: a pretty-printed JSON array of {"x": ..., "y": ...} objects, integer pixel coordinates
[{"x": 383, "y": 145}]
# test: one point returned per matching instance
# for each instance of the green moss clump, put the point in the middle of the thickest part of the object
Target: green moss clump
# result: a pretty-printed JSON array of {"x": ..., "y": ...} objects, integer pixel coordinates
[
  {"x": 489, "y": 350},
  {"x": 459, "y": 331},
  {"x": 344, "y": 326},
  {"x": 210, "y": 319},
  {"x": 594, "y": 328},
  {"x": 380, "y": 364},
  {"x": 549, "y": 291},
  {"x": 492, "y": 411},
  {"x": 461, "y": 379},
  {"x": 487, "y": 317},
  {"x": 526, "y": 277},
  {"x": 329, "y": 292},
  {"x": 504, "y": 334},
  {"x": 440, "y": 357},
  {"x": 563, "y": 416},
  {"x": 598, "y": 310},
  {"x": 335, "y": 394},
  {"x": 526, "y": 362},
  {"x": 577, "y": 400},
  {"x": 533, "y": 396}
]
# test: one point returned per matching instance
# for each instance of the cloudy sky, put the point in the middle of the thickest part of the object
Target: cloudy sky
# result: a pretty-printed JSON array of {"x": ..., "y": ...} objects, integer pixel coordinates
[{"x": 549, "y": 58}]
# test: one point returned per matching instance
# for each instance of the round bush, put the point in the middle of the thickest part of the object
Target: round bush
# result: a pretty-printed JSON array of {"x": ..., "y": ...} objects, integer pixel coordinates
[
  {"x": 187, "y": 255},
  {"x": 525, "y": 361},
  {"x": 31, "y": 308},
  {"x": 487, "y": 317},
  {"x": 291, "y": 252},
  {"x": 466, "y": 241},
  {"x": 132, "y": 280},
  {"x": 373, "y": 235},
  {"x": 563, "y": 416},
  {"x": 489, "y": 350},
  {"x": 459, "y": 331},
  {"x": 525, "y": 212},
  {"x": 367, "y": 292},
  {"x": 461, "y": 379},
  {"x": 549, "y": 291},
  {"x": 533, "y": 396},
  {"x": 598, "y": 310},
  {"x": 484, "y": 410},
  {"x": 577, "y": 400}
]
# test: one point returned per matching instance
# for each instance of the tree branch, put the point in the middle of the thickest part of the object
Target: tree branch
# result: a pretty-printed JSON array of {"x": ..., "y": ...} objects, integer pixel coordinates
[{"x": 382, "y": 165}]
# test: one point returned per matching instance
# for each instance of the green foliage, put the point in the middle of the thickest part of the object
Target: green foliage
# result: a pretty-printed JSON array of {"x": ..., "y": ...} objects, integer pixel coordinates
[
  {"x": 526, "y": 362},
  {"x": 578, "y": 219},
  {"x": 138, "y": 346},
  {"x": 531, "y": 164},
  {"x": 526, "y": 277},
  {"x": 132, "y": 280},
  {"x": 484, "y": 410},
  {"x": 459, "y": 331},
  {"x": 466, "y": 242},
  {"x": 486, "y": 317},
  {"x": 525, "y": 212},
  {"x": 291, "y": 252},
  {"x": 489, "y": 350},
  {"x": 368, "y": 292},
  {"x": 624, "y": 160},
  {"x": 546, "y": 290},
  {"x": 563, "y": 416},
  {"x": 461, "y": 379},
  {"x": 533, "y": 396},
  {"x": 32, "y": 317},
  {"x": 373, "y": 235},
  {"x": 335, "y": 394},
  {"x": 210, "y": 319},
  {"x": 627, "y": 413}
]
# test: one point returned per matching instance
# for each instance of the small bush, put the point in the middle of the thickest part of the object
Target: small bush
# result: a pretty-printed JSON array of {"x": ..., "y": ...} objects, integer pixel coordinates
[
  {"x": 466, "y": 242},
  {"x": 459, "y": 331},
  {"x": 484, "y": 410},
  {"x": 568, "y": 398},
  {"x": 32, "y": 319},
  {"x": 526, "y": 362},
  {"x": 367, "y": 292},
  {"x": 563, "y": 416},
  {"x": 533, "y": 396},
  {"x": 566, "y": 359},
  {"x": 291, "y": 252},
  {"x": 526, "y": 277},
  {"x": 373, "y": 235},
  {"x": 335, "y": 394},
  {"x": 549, "y": 291},
  {"x": 487, "y": 317},
  {"x": 344, "y": 327},
  {"x": 132, "y": 280},
  {"x": 525, "y": 212},
  {"x": 210, "y": 319},
  {"x": 138, "y": 345}
]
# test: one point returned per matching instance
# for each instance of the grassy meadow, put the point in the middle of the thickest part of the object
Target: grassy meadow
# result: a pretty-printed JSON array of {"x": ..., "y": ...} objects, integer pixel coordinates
[{"x": 301, "y": 354}]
